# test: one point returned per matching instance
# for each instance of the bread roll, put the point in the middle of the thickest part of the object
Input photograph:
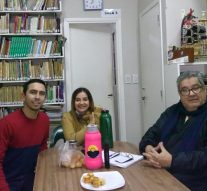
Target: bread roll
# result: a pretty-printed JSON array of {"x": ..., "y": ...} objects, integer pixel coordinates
[{"x": 75, "y": 161}]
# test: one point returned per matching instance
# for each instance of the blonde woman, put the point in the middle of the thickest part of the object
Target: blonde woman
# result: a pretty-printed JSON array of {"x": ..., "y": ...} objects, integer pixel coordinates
[{"x": 83, "y": 112}]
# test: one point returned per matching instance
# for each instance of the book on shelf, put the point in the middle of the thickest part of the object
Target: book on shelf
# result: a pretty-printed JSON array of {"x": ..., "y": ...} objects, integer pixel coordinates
[
  {"x": 45, "y": 70},
  {"x": 4, "y": 111},
  {"x": 54, "y": 99},
  {"x": 1, "y": 70},
  {"x": 4, "y": 23},
  {"x": 4, "y": 47},
  {"x": 24, "y": 24},
  {"x": 12, "y": 47},
  {"x": 16, "y": 5},
  {"x": 39, "y": 44},
  {"x": 58, "y": 69},
  {"x": 41, "y": 24},
  {"x": 31, "y": 47},
  {"x": 31, "y": 4},
  {"x": 54, "y": 47},
  {"x": 24, "y": 4},
  {"x": 16, "y": 24},
  {"x": 2, "y": 5},
  {"x": 60, "y": 90},
  {"x": 38, "y": 6},
  {"x": 58, "y": 24},
  {"x": 43, "y": 48},
  {"x": 10, "y": 5},
  {"x": 52, "y": 5},
  {"x": 48, "y": 49},
  {"x": 34, "y": 24},
  {"x": 34, "y": 48},
  {"x": 3, "y": 39},
  {"x": 51, "y": 69},
  {"x": 55, "y": 4}
]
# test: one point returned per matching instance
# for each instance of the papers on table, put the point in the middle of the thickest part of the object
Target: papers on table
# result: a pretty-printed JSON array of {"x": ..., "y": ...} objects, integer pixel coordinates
[{"x": 123, "y": 159}]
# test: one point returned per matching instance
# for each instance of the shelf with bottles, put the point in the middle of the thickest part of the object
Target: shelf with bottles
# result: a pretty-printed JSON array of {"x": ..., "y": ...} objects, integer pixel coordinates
[
  {"x": 194, "y": 34},
  {"x": 200, "y": 50}
]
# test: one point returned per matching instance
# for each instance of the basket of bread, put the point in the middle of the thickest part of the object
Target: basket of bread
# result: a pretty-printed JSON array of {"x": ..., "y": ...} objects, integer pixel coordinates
[{"x": 70, "y": 156}]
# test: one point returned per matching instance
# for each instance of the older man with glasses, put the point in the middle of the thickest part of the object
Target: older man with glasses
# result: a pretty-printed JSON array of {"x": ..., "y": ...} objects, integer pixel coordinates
[{"x": 178, "y": 139}]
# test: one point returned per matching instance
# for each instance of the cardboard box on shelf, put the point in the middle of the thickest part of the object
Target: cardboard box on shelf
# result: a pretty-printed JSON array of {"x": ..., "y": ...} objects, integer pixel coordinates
[{"x": 182, "y": 52}]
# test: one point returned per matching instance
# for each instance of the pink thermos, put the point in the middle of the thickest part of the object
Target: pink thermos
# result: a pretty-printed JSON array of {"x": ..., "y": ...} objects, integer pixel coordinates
[{"x": 93, "y": 149}]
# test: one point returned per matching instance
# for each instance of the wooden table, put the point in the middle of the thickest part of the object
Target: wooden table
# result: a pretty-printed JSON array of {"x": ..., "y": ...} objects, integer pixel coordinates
[{"x": 139, "y": 177}]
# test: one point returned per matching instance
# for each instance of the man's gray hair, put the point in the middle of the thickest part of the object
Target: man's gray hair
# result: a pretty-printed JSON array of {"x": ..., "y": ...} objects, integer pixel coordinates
[{"x": 189, "y": 74}]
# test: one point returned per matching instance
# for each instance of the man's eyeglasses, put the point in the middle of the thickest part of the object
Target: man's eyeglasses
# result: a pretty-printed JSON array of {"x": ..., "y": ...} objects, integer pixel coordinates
[{"x": 186, "y": 91}]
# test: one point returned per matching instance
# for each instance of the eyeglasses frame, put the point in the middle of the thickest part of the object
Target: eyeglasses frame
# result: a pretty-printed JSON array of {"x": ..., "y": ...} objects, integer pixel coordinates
[{"x": 193, "y": 90}]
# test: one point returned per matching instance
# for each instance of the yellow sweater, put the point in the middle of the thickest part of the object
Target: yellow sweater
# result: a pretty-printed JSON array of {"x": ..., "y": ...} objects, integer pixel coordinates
[{"x": 74, "y": 129}]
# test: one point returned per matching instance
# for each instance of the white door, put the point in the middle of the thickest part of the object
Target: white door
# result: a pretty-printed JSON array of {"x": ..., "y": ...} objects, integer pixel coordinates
[
  {"x": 92, "y": 59},
  {"x": 151, "y": 66}
]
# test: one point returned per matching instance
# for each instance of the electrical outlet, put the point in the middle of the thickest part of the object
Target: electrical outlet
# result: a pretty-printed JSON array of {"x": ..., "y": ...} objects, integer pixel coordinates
[
  {"x": 127, "y": 79},
  {"x": 135, "y": 78}
]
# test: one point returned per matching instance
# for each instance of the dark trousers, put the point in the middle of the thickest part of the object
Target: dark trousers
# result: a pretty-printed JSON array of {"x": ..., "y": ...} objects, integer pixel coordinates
[{"x": 23, "y": 183}]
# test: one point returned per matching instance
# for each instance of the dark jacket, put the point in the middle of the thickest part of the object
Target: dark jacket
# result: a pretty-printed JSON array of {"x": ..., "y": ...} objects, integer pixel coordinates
[{"x": 186, "y": 141}]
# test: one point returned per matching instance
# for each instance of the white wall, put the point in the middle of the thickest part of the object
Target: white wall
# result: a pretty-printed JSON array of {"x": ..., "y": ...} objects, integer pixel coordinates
[
  {"x": 129, "y": 22},
  {"x": 142, "y": 4}
]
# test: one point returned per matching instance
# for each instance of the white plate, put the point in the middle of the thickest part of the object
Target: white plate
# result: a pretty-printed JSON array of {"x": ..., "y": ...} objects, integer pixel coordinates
[{"x": 113, "y": 180}]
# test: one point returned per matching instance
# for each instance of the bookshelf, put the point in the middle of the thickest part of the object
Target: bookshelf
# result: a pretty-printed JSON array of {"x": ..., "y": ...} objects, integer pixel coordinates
[{"x": 31, "y": 46}]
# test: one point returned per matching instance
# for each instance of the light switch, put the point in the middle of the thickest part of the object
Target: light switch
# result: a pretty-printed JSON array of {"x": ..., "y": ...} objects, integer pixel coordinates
[
  {"x": 135, "y": 78},
  {"x": 127, "y": 79}
]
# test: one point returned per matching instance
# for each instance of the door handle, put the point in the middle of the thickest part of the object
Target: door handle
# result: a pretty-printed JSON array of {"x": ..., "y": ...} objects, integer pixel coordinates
[{"x": 110, "y": 95}]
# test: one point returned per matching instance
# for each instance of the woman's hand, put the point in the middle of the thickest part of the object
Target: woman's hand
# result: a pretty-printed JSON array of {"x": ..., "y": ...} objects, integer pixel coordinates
[{"x": 92, "y": 118}]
